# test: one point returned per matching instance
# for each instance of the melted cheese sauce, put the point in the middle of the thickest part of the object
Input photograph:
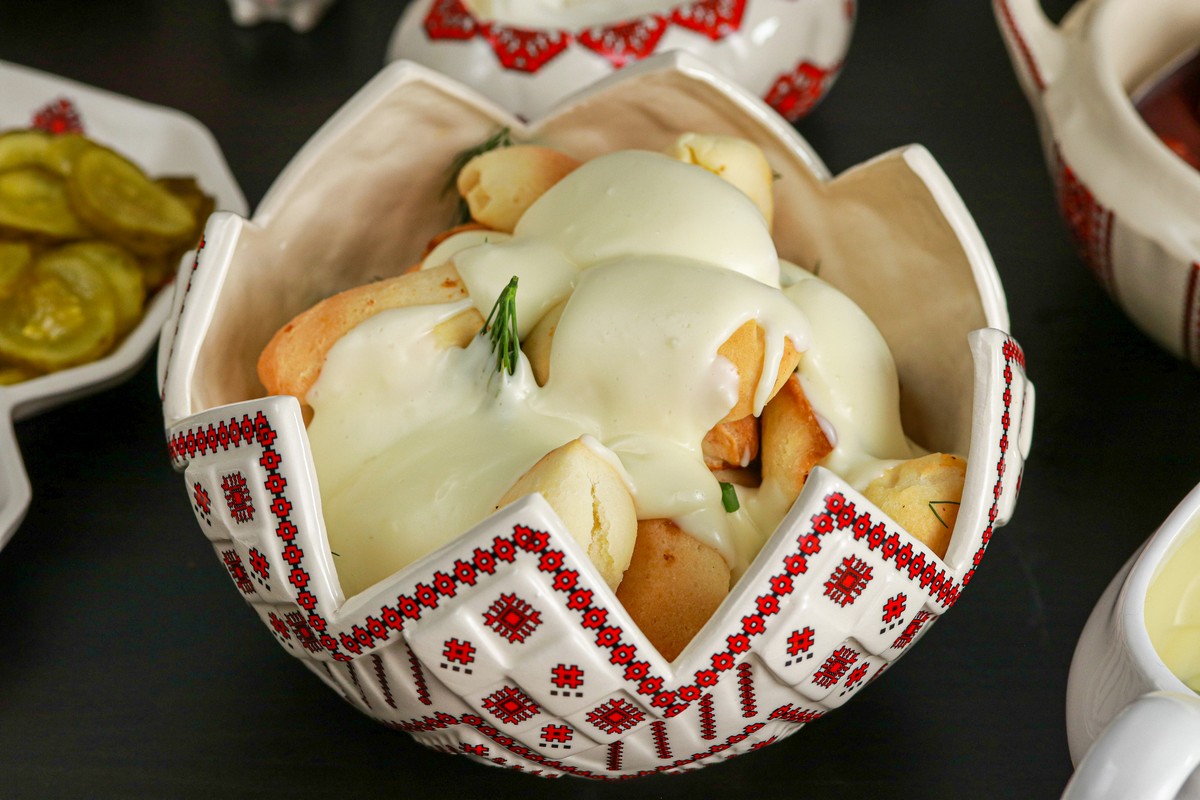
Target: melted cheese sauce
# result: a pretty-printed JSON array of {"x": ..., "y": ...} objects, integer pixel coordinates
[
  {"x": 1172, "y": 610},
  {"x": 659, "y": 262}
]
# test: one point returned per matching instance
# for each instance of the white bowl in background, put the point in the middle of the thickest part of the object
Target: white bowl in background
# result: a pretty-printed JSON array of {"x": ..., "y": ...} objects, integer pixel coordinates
[
  {"x": 530, "y": 54},
  {"x": 160, "y": 140}
]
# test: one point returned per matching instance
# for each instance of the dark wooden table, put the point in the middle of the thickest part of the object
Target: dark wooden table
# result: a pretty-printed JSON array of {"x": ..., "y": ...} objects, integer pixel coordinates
[{"x": 116, "y": 684}]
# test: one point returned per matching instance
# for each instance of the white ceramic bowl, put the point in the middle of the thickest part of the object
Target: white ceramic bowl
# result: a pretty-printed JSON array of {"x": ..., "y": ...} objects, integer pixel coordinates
[
  {"x": 1133, "y": 727},
  {"x": 530, "y": 54},
  {"x": 569, "y": 684},
  {"x": 1130, "y": 204},
  {"x": 161, "y": 141}
]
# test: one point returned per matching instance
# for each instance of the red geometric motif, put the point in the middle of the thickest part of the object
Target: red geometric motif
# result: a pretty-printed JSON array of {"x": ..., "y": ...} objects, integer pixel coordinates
[
  {"x": 912, "y": 629},
  {"x": 304, "y": 634},
  {"x": 848, "y": 581},
  {"x": 201, "y": 499},
  {"x": 58, "y": 116},
  {"x": 524, "y": 50},
  {"x": 746, "y": 690},
  {"x": 626, "y": 42},
  {"x": 187, "y": 444},
  {"x": 800, "y": 641},
  {"x": 510, "y": 705},
  {"x": 237, "y": 571},
  {"x": 237, "y": 497},
  {"x": 474, "y": 749},
  {"x": 894, "y": 607},
  {"x": 512, "y": 618},
  {"x": 716, "y": 19},
  {"x": 566, "y": 678},
  {"x": 662, "y": 744},
  {"x": 459, "y": 652},
  {"x": 616, "y": 716},
  {"x": 449, "y": 19},
  {"x": 259, "y": 563},
  {"x": 1089, "y": 223},
  {"x": 381, "y": 677},
  {"x": 557, "y": 735},
  {"x": 613, "y": 760},
  {"x": 835, "y": 667},
  {"x": 708, "y": 719},
  {"x": 855, "y": 677},
  {"x": 793, "y": 94}
]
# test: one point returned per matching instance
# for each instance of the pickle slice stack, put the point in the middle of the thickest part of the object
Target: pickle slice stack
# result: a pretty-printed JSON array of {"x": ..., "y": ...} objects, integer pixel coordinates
[{"x": 85, "y": 236}]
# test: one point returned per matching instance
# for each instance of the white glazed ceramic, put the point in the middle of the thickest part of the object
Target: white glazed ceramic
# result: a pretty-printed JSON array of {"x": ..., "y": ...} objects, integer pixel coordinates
[
  {"x": 1155, "y": 745},
  {"x": 162, "y": 141},
  {"x": 1130, "y": 204},
  {"x": 786, "y": 51},
  {"x": 301, "y": 15},
  {"x": 506, "y": 645}
]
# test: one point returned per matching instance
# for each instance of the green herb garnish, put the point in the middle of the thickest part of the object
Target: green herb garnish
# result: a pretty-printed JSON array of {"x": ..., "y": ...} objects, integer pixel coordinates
[
  {"x": 500, "y": 138},
  {"x": 501, "y": 327},
  {"x": 941, "y": 502},
  {"x": 729, "y": 497}
]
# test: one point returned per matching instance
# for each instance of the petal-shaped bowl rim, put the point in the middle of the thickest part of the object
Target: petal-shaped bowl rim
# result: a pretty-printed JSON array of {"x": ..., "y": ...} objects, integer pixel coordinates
[{"x": 213, "y": 406}]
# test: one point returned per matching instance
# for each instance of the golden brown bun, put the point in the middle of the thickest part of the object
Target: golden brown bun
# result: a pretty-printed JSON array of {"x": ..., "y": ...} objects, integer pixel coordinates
[
  {"x": 501, "y": 184},
  {"x": 792, "y": 440},
  {"x": 537, "y": 344},
  {"x": 292, "y": 360},
  {"x": 746, "y": 348},
  {"x": 731, "y": 445},
  {"x": 737, "y": 161},
  {"x": 922, "y": 495},
  {"x": 590, "y": 498},
  {"x": 673, "y": 585}
]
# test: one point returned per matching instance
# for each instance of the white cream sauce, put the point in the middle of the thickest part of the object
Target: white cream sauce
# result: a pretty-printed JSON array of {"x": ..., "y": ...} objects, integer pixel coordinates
[{"x": 660, "y": 263}]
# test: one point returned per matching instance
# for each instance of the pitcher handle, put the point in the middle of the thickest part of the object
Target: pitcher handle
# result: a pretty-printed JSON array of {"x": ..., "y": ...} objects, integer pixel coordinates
[
  {"x": 1034, "y": 43},
  {"x": 1149, "y": 751}
]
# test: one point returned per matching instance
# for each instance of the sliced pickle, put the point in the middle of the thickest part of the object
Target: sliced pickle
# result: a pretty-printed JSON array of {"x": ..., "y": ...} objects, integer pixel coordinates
[
  {"x": 22, "y": 148},
  {"x": 116, "y": 198},
  {"x": 119, "y": 268},
  {"x": 62, "y": 150},
  {"x": 64, "y": 316},
  {"x": 11, "y": 375},
  {"x": 33, "y": 202},
  {"x": 15, "y": 260}
]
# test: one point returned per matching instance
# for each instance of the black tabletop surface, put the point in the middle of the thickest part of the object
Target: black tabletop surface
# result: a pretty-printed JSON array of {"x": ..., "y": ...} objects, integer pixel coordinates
[{"x": 129, "y": 668}]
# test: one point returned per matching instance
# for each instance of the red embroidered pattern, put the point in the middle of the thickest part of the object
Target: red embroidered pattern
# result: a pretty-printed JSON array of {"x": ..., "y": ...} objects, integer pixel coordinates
[
  {"x": 510, "y": 705},
  {"x": 795, "y": 93},
  {"x": 58, "y": 116},
  {"x": 512, "y": 618},
  {"x": 374, "y": 629},
  {"x": 616, "y": 716}
]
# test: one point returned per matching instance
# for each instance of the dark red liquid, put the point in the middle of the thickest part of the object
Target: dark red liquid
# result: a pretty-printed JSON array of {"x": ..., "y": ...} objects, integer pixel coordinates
[{"x": 1171, "y": 107}]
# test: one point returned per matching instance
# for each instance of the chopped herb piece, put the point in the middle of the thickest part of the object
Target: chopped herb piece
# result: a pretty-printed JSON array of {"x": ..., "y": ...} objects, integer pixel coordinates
[
  {"x": 729, "y": 497},
  {"x": 932, "y": 503}
]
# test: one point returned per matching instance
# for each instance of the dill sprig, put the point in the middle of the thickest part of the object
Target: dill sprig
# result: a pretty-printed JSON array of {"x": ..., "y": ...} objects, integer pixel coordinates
[
  {"x": 501, "y": 138},
  {"x": 501, "y": 328}
]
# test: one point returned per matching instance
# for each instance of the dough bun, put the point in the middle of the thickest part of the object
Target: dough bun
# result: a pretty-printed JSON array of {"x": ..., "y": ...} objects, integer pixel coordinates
[
  {"x": 501, "y": 184},
  {"x": 590, "y": 497},
  {"x": 923, "y": 496},
  {"x": 673, "y": 585},
  {"x": 292, "y": 360}
]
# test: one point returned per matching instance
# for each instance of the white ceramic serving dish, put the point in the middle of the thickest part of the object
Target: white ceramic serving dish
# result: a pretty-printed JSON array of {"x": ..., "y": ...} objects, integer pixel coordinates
[
  {"x": 527, "y": 55},
  {"x": 162, "y": 141},
  {"x": 568, "y": 684},
  {"x": 1133, "y": 727},
  {"x": 1128, "y": 201}
]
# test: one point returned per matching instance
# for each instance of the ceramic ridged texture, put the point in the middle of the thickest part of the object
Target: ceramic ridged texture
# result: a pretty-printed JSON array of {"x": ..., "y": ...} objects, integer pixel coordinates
[{"x": 506, "y": 645}]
